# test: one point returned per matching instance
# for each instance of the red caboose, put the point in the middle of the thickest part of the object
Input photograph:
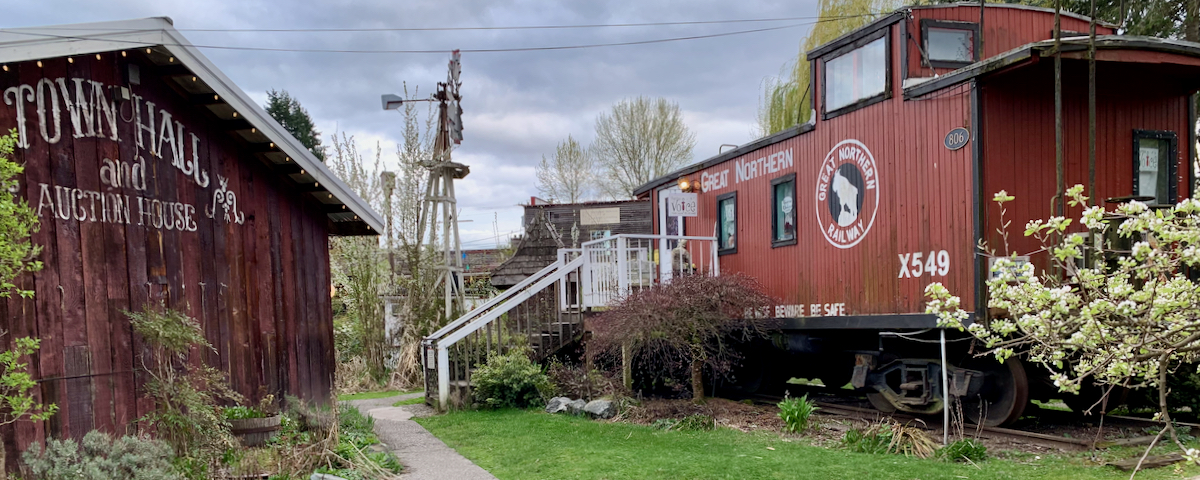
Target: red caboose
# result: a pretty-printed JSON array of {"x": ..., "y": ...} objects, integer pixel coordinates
[{"x": 920, "y": 118}]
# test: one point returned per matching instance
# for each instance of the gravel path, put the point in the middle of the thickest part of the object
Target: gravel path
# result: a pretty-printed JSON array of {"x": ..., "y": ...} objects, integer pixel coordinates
[{"x": 424, "y": 456}]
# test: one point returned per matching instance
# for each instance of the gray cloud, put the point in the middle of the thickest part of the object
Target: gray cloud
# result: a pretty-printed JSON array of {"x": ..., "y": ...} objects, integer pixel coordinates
[{"x": 518, "y": 105}]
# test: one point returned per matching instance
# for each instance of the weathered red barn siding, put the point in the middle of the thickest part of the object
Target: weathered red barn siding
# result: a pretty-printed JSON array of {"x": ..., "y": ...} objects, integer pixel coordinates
[
  {"x": 260, "y": 289},
  {"x": 1004, "y": 28},
  {"x": 925, "y": 205},
  {"x": 1018, "y": 134}
]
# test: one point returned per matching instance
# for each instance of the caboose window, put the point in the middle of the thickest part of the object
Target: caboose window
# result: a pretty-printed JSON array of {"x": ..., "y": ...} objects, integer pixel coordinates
[
  {"x": 858, "y": 76},
  {"x": 1153, "y": 165},
  {"x": 727, "y": 223},
  {"x": 950, "y": 44},
  {"x": 783, "y": 211}
]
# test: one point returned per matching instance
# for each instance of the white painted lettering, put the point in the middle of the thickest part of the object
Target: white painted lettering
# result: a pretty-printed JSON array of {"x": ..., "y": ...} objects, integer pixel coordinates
[
  {"x": 19, "y": 100},
  {"x": 45, "y": 85}
]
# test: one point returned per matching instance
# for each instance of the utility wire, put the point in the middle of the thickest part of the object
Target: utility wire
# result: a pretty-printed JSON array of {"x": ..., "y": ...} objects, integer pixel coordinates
[
  {"x": 441, "y": 51},
  {"x": 513, "y": 27}
]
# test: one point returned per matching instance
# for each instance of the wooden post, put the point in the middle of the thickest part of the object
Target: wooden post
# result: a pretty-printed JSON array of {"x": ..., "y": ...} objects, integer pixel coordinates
[{"x": 626, "y": 367}]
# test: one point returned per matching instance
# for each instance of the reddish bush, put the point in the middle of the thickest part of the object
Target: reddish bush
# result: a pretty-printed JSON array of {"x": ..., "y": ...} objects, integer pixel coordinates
[{"x": 690, "y": 321}]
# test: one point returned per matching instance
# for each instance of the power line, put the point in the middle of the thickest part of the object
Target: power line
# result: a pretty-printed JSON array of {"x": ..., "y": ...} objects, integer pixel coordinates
[
  {"x": 511, "y": 27},
  {"x": 440, "y": 51}
]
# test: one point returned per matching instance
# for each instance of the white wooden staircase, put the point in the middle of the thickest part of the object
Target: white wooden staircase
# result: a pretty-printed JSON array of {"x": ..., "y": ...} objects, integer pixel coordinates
[{"x": 546, "y": 311}]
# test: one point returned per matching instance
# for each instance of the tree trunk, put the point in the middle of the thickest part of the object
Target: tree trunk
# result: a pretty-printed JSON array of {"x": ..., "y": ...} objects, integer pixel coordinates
[
  {"x": 1191, "y": 23},
  {"x": 697, "y": 380},
  {"x": 4, "y": 460}
]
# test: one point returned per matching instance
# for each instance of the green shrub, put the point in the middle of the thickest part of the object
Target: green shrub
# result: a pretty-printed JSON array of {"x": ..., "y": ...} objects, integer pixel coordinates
[
  {"x": 355, "y": 429},
  {"x": 795, "y": 413},
  {"x": 242, "y": 413},
  {"x": 968, "y": 449},
  {"x": 101, "y": 458},
  {"x": 698, "y": 421},
  {"x": 511, "y": 380},
  {"x": 874, "y": 442},
  {"x": 185, "y": 396}
]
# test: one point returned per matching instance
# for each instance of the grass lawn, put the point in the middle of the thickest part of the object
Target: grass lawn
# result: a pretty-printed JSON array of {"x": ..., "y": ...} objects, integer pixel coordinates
[
  {"x": 411, "y": 401},
  {"x": 514, "y": 444},
  {"x": 373, "y": 395}
]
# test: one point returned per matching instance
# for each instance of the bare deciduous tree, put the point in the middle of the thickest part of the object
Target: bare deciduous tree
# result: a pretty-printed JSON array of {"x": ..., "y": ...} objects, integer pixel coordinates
[
  {"x": 566, "y": 177},
  {"x": 397, "y": 264},
  {"x": 420, "y": 310},
  {"x": 638, "y": 140},
  {"x": 357, "y": 265}
]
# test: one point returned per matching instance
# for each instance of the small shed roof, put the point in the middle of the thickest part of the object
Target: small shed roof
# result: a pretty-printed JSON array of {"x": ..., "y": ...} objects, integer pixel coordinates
[{"x": 348, "y": 213}]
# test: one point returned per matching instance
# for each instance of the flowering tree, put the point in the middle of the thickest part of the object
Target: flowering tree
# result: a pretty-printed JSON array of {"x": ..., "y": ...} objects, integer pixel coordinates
[
  {"x": 687, "y": 322},
  {"x": 1127, "y": 317}
]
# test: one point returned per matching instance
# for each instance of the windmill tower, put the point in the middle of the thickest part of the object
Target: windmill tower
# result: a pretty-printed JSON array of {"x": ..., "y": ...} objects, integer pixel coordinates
[
  {"x": 439, "y": 205},
  {"x": 440, "y": 199}
]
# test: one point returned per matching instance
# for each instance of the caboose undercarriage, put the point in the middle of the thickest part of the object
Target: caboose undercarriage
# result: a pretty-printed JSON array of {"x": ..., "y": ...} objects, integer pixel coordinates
[{"x": 899, "y": 369}]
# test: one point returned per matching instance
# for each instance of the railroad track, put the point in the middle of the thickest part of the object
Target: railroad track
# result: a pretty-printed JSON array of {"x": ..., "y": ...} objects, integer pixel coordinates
[
  {"x": 1061, "y": 443},
  {"x": 997, "y": 433}
]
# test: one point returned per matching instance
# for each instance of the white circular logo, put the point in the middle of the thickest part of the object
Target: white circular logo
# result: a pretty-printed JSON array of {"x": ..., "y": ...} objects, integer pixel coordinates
[
  {"x": 786, "y": 204},
  {"x": 847, "y": 193}
]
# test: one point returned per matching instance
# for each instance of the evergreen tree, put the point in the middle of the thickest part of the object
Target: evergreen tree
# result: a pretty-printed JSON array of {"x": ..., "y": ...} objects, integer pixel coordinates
[{"x": 288, "y": 112}]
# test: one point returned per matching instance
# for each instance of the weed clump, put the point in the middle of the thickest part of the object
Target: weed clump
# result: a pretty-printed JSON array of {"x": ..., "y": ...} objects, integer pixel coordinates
[
  {"x": 795, "y": 413},
  {"x": 512, "y": 381},
  {"x": 890, "y": 437},
  {"x": 697, "y": 422},
  {"x": 965, "y": 450}
]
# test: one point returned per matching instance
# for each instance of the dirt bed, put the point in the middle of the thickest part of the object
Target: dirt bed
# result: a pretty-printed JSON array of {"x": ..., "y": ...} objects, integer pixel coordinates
[{"x": 830, "y": 428}]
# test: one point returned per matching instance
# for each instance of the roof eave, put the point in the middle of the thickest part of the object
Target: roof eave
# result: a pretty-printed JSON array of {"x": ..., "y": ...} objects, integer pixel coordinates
[
  {"x": 23, "y": 44},
  {"x": 284, "y": 140}
]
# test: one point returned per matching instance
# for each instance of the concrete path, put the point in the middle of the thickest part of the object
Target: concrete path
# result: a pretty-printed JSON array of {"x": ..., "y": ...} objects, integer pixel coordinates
[{"x": 424, "y": 456}]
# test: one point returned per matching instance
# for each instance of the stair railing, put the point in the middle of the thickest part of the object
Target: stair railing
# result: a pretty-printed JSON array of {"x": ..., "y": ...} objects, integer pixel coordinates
[{"x": 546, "y": 309}]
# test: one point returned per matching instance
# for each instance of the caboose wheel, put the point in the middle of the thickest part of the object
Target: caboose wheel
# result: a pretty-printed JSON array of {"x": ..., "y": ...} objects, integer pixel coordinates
[
  {"x": 1004, "y": 395},
  {"x": 881, "y": 403}
]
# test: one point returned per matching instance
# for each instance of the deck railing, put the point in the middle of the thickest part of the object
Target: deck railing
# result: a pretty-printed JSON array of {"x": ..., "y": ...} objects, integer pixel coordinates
[{"x": 545, "y": 311}]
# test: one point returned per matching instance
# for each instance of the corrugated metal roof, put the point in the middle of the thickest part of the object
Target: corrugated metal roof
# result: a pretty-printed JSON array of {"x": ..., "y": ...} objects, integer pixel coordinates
[{"x": 24, "y": 44}]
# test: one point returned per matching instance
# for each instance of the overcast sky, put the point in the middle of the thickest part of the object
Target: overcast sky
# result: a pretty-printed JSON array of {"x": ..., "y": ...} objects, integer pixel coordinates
[{"x": 517, "y": 105}]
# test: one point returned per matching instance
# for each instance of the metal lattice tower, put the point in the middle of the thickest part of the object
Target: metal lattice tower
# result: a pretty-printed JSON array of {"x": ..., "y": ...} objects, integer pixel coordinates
[{"x": 439, "y": 198}]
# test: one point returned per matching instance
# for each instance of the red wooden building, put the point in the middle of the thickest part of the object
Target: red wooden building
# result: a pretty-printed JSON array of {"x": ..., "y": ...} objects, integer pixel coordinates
[
  {"x": 920, "y": 117},
  {"x": 157, "y": 181}
]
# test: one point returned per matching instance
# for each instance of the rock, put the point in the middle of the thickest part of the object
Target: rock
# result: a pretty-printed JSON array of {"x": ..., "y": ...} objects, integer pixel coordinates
[
  {"x": 324, "y": 476},
  {"x": 575, "y": 407},
  {"x": 557, "y": 405},
  {"x": 604, "y": 409}
]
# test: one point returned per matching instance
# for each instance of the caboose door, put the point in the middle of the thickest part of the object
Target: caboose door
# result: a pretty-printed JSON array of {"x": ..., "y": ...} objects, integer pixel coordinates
[{"x": 667, "y": 226}]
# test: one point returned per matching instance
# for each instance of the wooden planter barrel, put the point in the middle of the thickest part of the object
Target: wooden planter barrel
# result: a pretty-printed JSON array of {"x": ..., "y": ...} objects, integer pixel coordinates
[{"x": 253, "y": 432}]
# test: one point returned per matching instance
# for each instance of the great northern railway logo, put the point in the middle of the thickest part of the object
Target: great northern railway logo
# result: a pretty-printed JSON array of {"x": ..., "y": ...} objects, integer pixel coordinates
[{"x": 847, "y": 194}]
